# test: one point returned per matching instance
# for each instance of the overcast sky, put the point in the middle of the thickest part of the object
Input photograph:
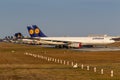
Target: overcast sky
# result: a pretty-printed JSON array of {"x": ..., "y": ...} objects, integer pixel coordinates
[{"x": 60, "y": 17}]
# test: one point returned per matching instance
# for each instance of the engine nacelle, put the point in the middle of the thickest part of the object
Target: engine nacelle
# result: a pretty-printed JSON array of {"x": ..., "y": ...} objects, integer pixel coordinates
[{"x": 75, "y": 45}]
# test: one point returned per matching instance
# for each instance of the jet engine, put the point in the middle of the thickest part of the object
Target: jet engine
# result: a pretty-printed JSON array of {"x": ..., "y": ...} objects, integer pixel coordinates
[{"x": 75, "y": 45}]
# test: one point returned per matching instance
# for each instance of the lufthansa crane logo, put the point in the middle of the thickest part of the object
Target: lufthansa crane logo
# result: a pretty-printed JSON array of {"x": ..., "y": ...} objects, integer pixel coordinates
[
  {"x": 31, "y": 32},
  {"x": 37, "y": 31}
]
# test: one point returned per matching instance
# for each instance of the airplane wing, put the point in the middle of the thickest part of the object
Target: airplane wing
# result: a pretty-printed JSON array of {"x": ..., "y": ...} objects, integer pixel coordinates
[
  {"x": 59, "y": 43},
  {"x": 116, "y": 39}
]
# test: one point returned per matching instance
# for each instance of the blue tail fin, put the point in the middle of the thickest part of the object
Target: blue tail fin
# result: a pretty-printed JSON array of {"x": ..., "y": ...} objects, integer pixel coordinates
[
  {"x": 18, "y": 35},
  {"x": 38, "y": 32},
  {"x": 31, "y": 31}
]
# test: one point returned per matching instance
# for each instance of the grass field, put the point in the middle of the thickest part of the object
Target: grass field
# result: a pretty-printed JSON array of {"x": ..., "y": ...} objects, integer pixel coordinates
[{"x": 14, "y": 65}]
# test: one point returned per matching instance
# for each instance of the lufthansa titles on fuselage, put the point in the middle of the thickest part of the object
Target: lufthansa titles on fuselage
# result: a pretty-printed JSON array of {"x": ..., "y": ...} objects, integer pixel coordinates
[{"x": 98, "y": 38}]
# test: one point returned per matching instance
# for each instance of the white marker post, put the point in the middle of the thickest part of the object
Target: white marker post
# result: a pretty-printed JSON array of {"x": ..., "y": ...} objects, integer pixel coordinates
[
  {"x": 34, "y": 55},
  {"x": 55, "y": 60},
  {"x": 88, "y": 68},
  {"x": 30, "y": 54},
  {"x": 58, "y": 60},
  {"x": 72, "y": 64},
  {"x": 112, "y": 73},
  {"x": 12, "y": 51},
  {"x": 26, "y": 53},
  {"x": 61, "y": 61},
  {"x": 64, "y": 62},
  {"x": 95, "y": 69},
  {"x": 48, "y": 59},
  {"x": 102, "y": 71},
  {"x": 82, "y": 66}
]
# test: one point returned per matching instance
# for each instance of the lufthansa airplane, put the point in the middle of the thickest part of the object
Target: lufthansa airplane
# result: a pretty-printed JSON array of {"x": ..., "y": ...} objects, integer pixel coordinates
[{"x": 68, "y": 42}]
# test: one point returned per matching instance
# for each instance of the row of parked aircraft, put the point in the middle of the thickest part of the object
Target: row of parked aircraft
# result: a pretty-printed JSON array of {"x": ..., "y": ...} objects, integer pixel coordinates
[{"x": 38, "y": 37}]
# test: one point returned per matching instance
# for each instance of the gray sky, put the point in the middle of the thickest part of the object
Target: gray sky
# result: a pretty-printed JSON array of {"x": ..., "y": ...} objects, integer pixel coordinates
[{"x": 60, "y": 17}]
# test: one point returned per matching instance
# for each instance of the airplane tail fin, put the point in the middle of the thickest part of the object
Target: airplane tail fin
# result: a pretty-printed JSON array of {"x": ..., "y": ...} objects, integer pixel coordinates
[
  {"x": 31, "y": 31},
  {"x": 38, "y": 32},
  {"x": 18, "y": 35}
]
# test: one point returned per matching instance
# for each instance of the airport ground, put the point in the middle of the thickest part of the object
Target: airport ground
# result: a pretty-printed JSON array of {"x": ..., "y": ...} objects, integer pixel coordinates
[{"x": 15, "y": 65}]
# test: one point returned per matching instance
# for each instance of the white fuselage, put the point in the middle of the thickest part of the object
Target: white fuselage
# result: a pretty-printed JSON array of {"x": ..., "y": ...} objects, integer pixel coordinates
[{"x": 82, "y": 40}]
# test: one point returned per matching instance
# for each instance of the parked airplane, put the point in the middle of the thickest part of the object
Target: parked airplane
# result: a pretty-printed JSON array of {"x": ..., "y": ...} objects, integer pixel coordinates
[{"x": 68, "y": 42}]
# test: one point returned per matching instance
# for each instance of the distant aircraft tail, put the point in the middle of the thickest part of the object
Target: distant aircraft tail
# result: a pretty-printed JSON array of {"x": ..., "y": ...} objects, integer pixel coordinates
[
  {"x": 38, "y": 32},
  {"x": 35, "y": 31},
  {"x": 31, "y": 31},
  {"x": 18, "y": 35}
]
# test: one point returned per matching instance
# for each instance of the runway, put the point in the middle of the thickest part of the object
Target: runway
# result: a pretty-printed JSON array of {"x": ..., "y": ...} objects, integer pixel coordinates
[
  {"x": 90, "y": 49},
  {"x": 99, "y": 49}
]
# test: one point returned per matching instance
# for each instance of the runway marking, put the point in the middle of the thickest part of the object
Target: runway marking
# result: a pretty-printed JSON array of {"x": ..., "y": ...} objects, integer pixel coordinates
[{"x": 98, "y": 49}]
